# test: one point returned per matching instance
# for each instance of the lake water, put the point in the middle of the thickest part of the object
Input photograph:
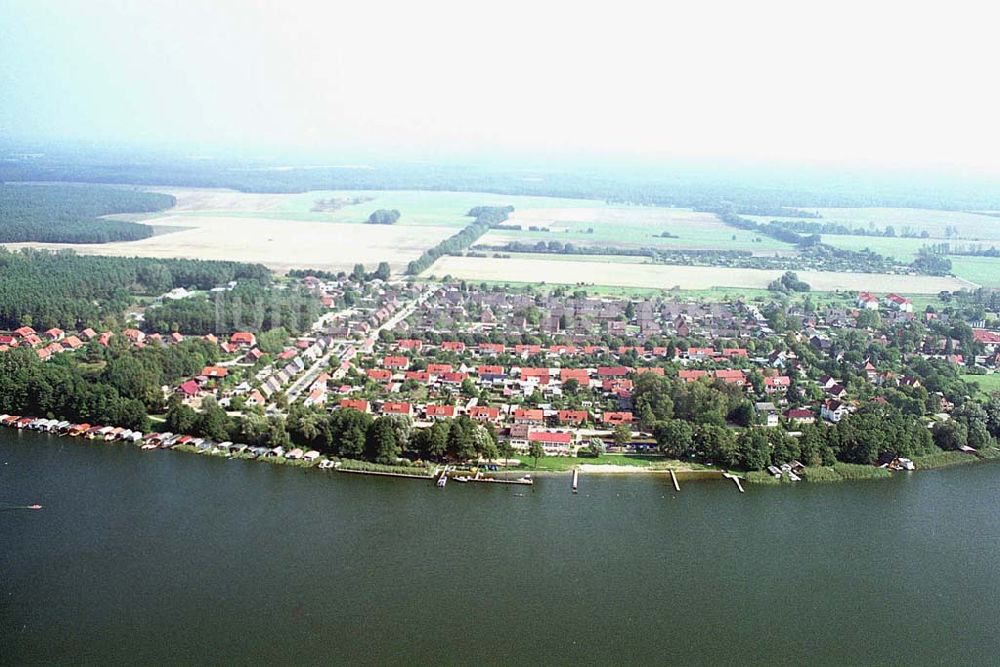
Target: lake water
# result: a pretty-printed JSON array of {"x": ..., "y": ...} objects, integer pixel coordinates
[{"x": 165, "y": 557}]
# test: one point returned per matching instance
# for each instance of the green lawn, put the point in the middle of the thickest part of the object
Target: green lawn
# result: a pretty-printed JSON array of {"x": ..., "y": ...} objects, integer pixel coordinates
[
  {"x": 567, "y": 463},
  {"x": 988, "y": 384}
]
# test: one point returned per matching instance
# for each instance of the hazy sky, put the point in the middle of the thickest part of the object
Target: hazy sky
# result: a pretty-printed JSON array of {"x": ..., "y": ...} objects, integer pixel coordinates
[{"x": 873, "y": 82}]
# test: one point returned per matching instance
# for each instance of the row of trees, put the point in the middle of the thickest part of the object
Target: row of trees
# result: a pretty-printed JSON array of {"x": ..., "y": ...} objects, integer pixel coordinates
[
  {"x": 72, "y": 214},
  {"x": 486, "y": 217}
]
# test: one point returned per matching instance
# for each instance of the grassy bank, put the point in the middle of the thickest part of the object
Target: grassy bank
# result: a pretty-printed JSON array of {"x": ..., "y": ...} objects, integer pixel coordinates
[{"x": 647, "y": 462}]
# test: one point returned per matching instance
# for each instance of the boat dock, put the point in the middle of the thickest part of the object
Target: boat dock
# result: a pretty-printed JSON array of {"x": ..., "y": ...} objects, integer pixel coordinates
[
  {"x": 576, "y": 478},
  {"x": 735, "y": 478},
  {"x": 673, "y": 478}
]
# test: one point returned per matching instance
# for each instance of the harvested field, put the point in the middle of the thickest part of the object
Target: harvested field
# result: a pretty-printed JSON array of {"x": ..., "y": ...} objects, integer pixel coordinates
[
  {"x": 279, "y": 244},
  {"x": 417, "y": 207},
  {"x": 630, "y": 227},
  {"x": 669, "y": 276}
]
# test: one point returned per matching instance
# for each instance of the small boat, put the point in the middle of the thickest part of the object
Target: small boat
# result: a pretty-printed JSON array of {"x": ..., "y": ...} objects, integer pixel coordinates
[
  {"x": 441, "y": 481},
  {"x": 325, "y": 465},
  {"x": 462, "y": 478}
]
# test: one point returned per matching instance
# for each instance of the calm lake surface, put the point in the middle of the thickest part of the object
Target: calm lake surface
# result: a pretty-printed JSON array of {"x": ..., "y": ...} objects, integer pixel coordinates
[{"x": 165, "y": 557}]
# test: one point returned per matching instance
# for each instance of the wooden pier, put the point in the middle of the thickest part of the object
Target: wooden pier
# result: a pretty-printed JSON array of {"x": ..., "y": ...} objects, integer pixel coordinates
[
  {"x": 673, "y": 478},
  {"x": 735, "y": 478},
  {"x": 576, "y": 478}
]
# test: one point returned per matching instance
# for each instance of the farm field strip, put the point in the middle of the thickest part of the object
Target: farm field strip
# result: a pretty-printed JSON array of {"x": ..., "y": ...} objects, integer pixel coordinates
[
  {"x": 278, "y": 245},
  {"x": 970, "y": 225},
  {"x": 663, "y": 276}
]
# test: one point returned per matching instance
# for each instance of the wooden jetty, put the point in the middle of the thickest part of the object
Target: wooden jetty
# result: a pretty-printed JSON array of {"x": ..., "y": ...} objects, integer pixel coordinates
[
  {"x": 673, "y": 478},
  {"x": 576, "y": 478},
  {"x": 735, "y": 478}
]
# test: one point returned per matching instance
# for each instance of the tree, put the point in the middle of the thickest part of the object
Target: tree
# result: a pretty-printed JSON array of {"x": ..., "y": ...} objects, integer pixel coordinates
[
  {"x": 180, "y": 418},
  {"x": 622, "y": 435},
  {"x": 382, "y": 272},
  {"x": 536, "y": 451},
  {"x": 359, "y": 273},
  {"x": 674, "y": 437},
  {"x": 753, "y": 449},
  {"x": 213, "y": 422},
  {"x": 380, "y": 444}
]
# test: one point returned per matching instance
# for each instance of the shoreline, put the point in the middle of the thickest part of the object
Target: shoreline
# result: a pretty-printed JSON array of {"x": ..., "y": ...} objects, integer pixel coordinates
[{"x": 840, "y": 472}]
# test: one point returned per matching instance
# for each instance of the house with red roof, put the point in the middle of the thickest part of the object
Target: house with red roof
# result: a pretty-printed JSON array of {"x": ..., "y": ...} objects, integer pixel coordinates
[
  {"x": 394, "y": 408},
  {"x": 484, "y": 413},
  {"x": 215, "y": 371},
  {"x": 867, "y": 301},
  {"x": 409, "y": 344},
  {"x": 189, "y": 389},
  {"x": 616, "y": 418},
  {"x": 900, "y": 303},
  {"x": 733, "y": 376},
  {"x": 574, "y": 417},
  {"x": 612, "y": 371},
  {"x": 54, "y": 334},
  {"x": 777, "y": 384},
  {"x": 554, "y": 443},
  {"x": 379, "y": 374},
  {"x": 490, "y": 348},
  {"x": 800, "y": 416},
  {"x": 396, "y": 363},
  {"x": 243, "y": 339},
  {"x": 134, "y": 336},
  {"x": 530, "y": 416},
  {"x": 581, "y": 375},
  {"x": 24, "y": 332},
  {"x": 358, "y": 404},
  {"x": 72, "y": 343},
  {"x": 439, "y": 411},
  {"x": 453, "y": 346},
  {"x": 438, "y": 369}
]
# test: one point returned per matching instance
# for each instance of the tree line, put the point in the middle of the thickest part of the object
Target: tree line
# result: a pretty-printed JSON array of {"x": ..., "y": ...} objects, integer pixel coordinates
[{"x": 486, "y": 217}]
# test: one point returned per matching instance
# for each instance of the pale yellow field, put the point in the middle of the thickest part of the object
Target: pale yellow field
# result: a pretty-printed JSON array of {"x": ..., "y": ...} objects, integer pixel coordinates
[
  {"x": 669, "y": 276},
  {"x": 278, "y": 244},
  {"x": 212, "y": 199}
]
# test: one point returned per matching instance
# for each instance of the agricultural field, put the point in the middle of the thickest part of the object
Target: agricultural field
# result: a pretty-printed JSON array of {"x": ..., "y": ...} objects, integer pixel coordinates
[
  {"x": 280, "y": 245},
  {"x": 282, "y": 231},
  {"x": 660, "y": 276},
  {"x": 630, "y": 227},
  {"x": 982, "y": 270},
  {"x": 969, "y": 225},
  {"x": 418, "y": 208}
]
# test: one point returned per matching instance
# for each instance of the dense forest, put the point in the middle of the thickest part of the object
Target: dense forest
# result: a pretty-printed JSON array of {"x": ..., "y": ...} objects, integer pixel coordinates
[
  {"x": 250, "y": 306},
  {"x": 43, "y": 289},
  {"x": 71, "y": 213}
]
